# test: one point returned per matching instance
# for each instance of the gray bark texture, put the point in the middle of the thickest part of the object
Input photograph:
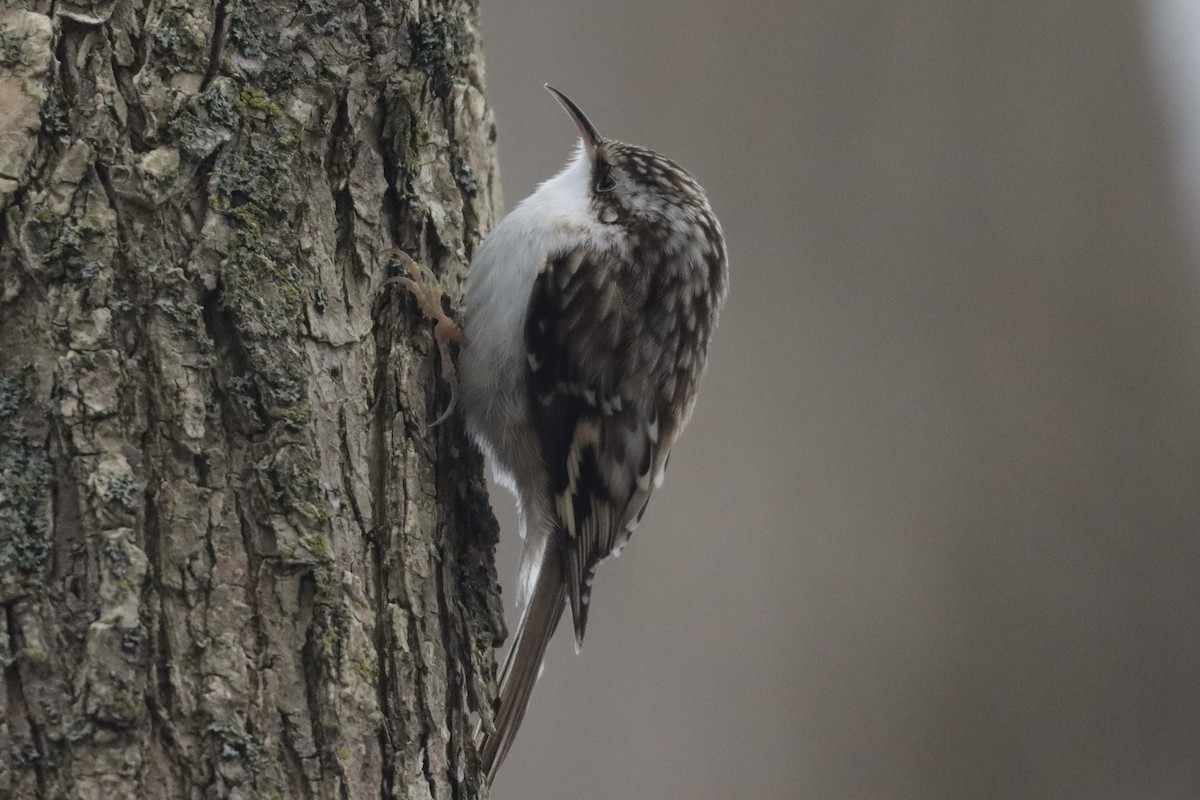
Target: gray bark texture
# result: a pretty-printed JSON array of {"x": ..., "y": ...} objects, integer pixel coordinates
[{"x": 234, "y": 561}]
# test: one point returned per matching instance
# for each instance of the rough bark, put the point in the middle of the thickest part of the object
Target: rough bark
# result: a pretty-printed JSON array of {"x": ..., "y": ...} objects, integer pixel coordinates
[{"x": 233, "y": 560}]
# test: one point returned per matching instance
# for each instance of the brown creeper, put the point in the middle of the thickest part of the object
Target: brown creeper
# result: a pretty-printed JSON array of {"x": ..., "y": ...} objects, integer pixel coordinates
[{"x": 589, "y": 310}]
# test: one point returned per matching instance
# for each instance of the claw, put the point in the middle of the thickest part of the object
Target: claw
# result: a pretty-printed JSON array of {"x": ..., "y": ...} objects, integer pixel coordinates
[
  {"x": 425, "y": 288},
  {"x": 428, "y": 292}
]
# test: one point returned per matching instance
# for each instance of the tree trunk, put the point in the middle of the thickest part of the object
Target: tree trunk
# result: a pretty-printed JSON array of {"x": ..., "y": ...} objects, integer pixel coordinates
[{"x": 234, "y": 561}]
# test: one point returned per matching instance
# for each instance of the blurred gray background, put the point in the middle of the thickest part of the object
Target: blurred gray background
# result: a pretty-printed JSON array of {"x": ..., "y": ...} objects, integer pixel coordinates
[{"x": 935, "y": 529}]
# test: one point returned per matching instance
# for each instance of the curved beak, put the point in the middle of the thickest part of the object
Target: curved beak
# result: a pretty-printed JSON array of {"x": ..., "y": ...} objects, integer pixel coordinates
[{"x": 591, "y": 137}]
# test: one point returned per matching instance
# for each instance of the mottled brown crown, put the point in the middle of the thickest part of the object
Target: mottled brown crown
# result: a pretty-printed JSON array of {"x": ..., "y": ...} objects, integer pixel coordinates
[{"x": 637, "y": 186}]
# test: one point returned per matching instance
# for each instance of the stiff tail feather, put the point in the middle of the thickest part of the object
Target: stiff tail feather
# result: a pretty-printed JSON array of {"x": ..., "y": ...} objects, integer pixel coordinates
[{"x": 524, "y": 661}]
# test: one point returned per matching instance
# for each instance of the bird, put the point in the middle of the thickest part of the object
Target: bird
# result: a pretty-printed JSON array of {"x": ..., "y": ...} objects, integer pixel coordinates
[{"x": 588, "y": 311}]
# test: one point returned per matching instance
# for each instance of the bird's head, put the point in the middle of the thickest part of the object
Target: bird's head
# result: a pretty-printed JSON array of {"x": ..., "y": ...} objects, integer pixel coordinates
[{"x": 634, "y": 186}]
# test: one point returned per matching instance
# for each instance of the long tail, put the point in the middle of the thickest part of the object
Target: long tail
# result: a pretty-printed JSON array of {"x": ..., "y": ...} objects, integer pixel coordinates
[{"x": 524, "y": 661}]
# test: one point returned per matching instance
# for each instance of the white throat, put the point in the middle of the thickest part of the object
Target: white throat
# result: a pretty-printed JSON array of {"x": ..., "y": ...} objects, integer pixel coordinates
[{"x": 565, "y": 196}]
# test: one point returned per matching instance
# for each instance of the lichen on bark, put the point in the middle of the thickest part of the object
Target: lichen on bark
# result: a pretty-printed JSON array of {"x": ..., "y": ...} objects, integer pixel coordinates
[{"x": 234, "y": 560}]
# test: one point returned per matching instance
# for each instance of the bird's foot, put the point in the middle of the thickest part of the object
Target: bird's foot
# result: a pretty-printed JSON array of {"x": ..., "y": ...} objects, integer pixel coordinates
[
  {"x": 428, "y": 292},
  {"x": 425, "y": 288}
]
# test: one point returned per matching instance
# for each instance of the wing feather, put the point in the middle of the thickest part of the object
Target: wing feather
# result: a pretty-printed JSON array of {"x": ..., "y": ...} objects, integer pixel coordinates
[{"x": 595, "y": 405}]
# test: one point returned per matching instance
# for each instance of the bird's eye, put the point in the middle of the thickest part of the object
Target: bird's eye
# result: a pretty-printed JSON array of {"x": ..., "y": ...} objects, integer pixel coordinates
[{"x": 606, "y": 184}]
